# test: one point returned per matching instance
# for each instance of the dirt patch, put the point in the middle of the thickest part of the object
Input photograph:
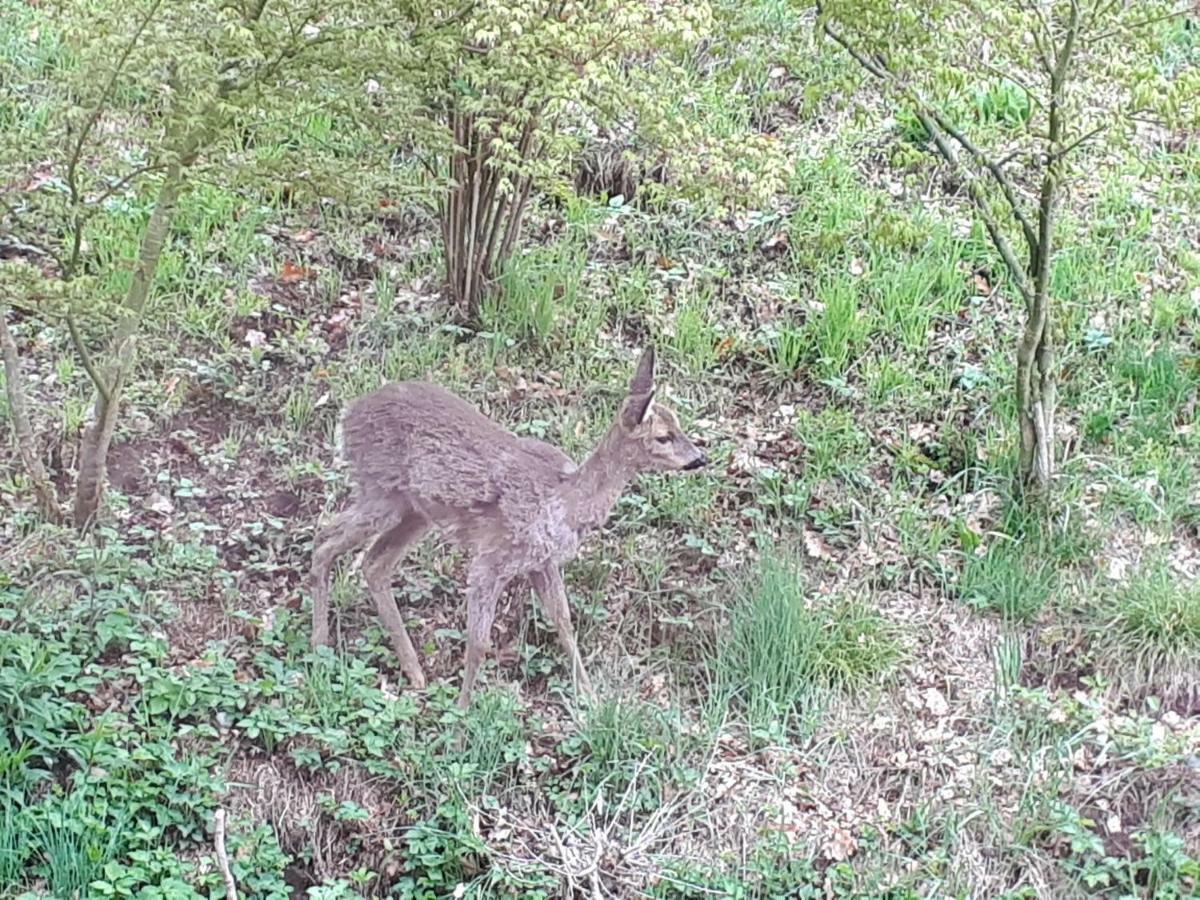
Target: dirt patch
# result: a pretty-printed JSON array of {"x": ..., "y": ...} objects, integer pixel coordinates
[
  {"x": 299, "y": 806},
  {"x": 1137, "y": 798},
  {"x": 125, "y": 471},
  {"x": 1057, "y": 661}
]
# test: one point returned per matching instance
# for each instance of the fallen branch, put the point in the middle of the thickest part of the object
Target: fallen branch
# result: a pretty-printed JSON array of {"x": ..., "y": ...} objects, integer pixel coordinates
[{"x": 222, "y": 856}]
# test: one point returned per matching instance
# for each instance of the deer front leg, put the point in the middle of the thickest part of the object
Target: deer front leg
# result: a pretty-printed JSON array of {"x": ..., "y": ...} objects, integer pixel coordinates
[
  {"x": 483, "y": 591},
  {"x": 349, "y": 530},
  {"x": 378, "y": 565},
  {"x": 548, "y": 584}
]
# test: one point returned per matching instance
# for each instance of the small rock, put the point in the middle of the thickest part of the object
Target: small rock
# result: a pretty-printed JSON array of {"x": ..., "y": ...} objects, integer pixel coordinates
[
  {"x": 156, "y": 502},
  {"x": 935, "y": 702}
]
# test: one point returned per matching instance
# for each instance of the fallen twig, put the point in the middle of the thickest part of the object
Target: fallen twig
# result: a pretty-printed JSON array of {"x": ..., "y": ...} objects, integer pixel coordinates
[{"x": 222, "y": 856}]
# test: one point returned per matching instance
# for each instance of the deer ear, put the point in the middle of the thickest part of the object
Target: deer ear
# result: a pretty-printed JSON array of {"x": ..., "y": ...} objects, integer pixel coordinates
[
  {"x": 637, "y": 409},
  {"x": 643, "y": 378}
]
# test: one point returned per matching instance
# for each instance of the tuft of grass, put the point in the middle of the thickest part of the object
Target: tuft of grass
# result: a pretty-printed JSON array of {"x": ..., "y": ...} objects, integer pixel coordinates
[
  {"x": 840, "y": 329},
  {"x": 1158, "y": 612},
  {"x": 12, "y": 840},
  {"x": 694, "y": 339},
  {"x": 785, "y": 649},
  {"x": 910, "y": 295},
  {"x": 788, "y": 348},
  {"x": 75, "y": 847},
  {"x": 1011, "y": 578},
  {"x": 536, "y": 291}
]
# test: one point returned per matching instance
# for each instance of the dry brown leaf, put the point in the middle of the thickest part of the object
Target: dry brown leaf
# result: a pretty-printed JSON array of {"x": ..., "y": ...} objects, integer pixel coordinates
[
  {"x": 815, "y": 546},
  {"x": 291, "y": 273},
  {"x": 841, "y": 846},
  {"x": 776, "y": 242}
]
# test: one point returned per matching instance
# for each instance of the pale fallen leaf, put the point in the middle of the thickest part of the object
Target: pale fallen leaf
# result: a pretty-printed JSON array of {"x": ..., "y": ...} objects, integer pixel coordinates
[
  {"x": 841, "y": 846},
  {"x": 918, "y": 432},
  {"x": 935, "y": 702},
  {"x": 777, "y": 241},
  {"x": 1001, "y": 757},
  {"x": 156, "y": 502},
  {"x": 256, "y": 338},
  {"x": 1117, "y": 568},
  {"x": 814, "y": 545}
]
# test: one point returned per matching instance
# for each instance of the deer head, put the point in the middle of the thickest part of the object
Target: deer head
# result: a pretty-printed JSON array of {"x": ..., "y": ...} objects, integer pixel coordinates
[{"x": 650, "y": 434}]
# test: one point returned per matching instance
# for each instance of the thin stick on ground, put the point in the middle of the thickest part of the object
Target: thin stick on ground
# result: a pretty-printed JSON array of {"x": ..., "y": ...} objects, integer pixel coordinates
[{"x": 222, "y": 856}]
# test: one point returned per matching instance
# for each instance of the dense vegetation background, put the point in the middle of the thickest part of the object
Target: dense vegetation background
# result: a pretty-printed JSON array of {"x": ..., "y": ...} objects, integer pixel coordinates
[{"x": 924, "y": 281}]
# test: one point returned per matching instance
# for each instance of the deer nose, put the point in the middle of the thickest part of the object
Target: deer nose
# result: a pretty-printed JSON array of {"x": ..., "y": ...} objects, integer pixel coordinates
[{"x": 698, "y": 463}]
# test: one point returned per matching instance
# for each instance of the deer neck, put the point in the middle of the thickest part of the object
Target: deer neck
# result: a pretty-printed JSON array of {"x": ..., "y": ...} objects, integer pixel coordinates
[{"x": 595, "y": 486}]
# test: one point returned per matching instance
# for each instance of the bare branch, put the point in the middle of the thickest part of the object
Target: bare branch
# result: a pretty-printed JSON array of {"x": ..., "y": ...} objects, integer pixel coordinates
[
  {"x": 1045, "y": 38},
  {"x": 85, "y": 356},
  {"x": 1056, "y": 155},
  {"x": 1185, "y": 10},
  {"x": 14, "y": 384},
  {"x": 124, "y": 180},
  {"x": 979, "y": 200},
  {"x": 102, "y": 100},
  {"x": 938, "y": 126},
  {"x": 863, "y": 60},
  {"x": 222, "y": 856},
  {"x": 996, "y": 171}
]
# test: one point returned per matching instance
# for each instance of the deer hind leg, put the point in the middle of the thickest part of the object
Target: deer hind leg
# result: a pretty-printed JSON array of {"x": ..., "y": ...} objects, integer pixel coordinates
[
  {"x": 483, "y": 591},
  {"x": 351, "y": 529},
  {"x": 548, "y": 585},
  {"x": 380, "y": 562}
]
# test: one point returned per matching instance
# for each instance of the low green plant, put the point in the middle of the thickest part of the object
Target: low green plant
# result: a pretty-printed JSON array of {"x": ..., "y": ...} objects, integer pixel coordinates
[
  {"x": 74, "y": 844},
  {"x": 786, "y": 649},
  {"x": 1158, "y": 612},
  {"x": 1010, "y": 578},
  {"x": 628, "y": 748},
  {"x": 1004, "y": 103}
]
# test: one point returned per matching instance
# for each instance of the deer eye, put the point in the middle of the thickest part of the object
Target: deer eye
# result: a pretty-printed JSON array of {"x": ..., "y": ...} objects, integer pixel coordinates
[{"x": 664, "y": 438}]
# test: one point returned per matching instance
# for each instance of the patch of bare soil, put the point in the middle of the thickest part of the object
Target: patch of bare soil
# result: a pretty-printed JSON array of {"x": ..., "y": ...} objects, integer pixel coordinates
[
  {"x": 1122, "y": 800},
  {"x": 300, "y": 806}
]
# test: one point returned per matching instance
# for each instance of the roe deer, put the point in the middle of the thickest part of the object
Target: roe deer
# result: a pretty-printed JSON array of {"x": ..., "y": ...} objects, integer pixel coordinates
[{"x": 421, "y": 458}]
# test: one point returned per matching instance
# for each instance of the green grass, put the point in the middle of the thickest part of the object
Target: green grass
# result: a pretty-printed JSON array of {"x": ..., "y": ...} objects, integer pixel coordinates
[
  {"x": 74, "y": 847},
  {"x": 14, "y": 840},
  {"x": 1009, "y": 578},
  {"x": 786, "y": 648},
  {"x": 1158, "y": 612},
  {"x": 832, "y": 347}
]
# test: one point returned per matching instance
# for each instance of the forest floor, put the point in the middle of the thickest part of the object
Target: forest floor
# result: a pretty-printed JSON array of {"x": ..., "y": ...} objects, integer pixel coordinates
[{"x": 842, "y": 661}]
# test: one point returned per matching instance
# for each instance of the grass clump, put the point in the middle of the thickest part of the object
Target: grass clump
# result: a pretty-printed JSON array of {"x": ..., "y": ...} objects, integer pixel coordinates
[
  {"x": 1157, "y": 613},
  {"x": 786, "y": 649},
  {"x": 1011, "y": 579}
]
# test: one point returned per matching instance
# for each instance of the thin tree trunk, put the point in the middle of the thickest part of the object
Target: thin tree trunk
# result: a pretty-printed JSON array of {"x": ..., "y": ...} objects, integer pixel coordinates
[
  {"x": 97, "y": 437},
  {"x": 14, "y": 386},
  {"x": 480, "y": 220},
  {"x": 1037, "y": 385}
]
